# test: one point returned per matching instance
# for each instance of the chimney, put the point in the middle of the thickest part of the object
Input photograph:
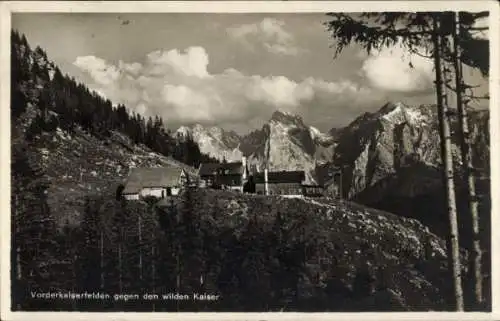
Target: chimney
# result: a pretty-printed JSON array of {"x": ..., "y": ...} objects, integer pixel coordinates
[
  {"x": 245, "y": 168},
  {"x": 266, "y": 185}
]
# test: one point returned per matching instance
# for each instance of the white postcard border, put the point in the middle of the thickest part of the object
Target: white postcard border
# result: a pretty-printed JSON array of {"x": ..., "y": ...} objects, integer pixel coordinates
[{"x": 6, "y": 8}]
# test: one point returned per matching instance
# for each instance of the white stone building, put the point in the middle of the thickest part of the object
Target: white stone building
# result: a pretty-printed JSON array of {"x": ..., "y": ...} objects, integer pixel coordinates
[{"x": 158, "y": 182}]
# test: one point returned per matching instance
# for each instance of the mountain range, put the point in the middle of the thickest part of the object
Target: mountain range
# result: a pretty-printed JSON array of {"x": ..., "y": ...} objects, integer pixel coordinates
[
  {"x": 285, "y": 142},
  {"x": 390, "y": 159},
  {"x": 371, "y": 148}
]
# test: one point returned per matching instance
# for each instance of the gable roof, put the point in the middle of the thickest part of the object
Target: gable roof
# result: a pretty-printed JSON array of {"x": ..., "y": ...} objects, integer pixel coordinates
[
  {"x": 233, "y": 168},
  {"x": 208, "y": 168},
  {"x": 280, "y": 177},
  {"x": 152, "y": 177}
]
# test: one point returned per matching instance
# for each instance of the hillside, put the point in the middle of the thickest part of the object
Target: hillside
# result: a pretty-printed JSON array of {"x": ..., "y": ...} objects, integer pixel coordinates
[
  {"x": 273, "y": 254},
  {"x": 80, "y": 165},
  {"x": 257, "y": 253},
  {"x": 284, "y": 254},
  {"x": 84, "y": 145}
]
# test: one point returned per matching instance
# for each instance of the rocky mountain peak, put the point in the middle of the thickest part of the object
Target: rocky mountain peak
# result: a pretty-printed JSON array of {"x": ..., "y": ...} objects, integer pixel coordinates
[
  {"x": 319, "y": 137},
  {"x": 397, "y": 113},
  {"x": 214, "y": 141},
  {"x": 390, "y": 106},
  {"x": 286, "y": 118},
  {"x": 184, "y": 132},
  {"x": 283, "y": 143},
  {"x": 398, "y": 144}
]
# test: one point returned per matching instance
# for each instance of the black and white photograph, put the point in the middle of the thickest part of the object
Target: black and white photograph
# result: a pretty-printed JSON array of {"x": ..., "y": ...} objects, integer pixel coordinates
[{"x": 333, "y": 161}]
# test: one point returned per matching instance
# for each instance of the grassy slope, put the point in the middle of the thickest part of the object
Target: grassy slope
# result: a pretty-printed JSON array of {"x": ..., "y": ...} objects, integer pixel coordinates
[
  {"x": 341, "y": 238},
  {"x": 349, "y": 236},
  {"x": 82, "y": 165}
]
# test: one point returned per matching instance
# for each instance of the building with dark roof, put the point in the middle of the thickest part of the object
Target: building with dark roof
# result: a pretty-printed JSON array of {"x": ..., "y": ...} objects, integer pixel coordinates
[
  {"x": 236, "y": 176},
  {"x": 279, "y": 182},
  {"x": 155, "y": 181},
  {"x": 223, "y": 175}
]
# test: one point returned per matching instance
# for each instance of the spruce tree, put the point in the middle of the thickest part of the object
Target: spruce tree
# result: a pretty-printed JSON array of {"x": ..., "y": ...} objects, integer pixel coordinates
[{"x": 33, "y": 230}]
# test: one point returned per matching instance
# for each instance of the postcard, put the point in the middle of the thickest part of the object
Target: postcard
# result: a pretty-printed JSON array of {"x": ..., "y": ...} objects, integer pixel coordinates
[{"x": 249, "y": 160}]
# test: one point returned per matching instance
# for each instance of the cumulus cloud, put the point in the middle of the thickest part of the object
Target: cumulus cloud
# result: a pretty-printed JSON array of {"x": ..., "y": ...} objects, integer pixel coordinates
[
  {"x": 99, "y": 70},
  {"x": 278, "y": 91},
  {"x": 394, "y": 69},
  {"x": 193, "y": 62},
  {"x": 269, "y": 34},
  {"x": 177, "y": 86},
  {"x": 483, "y": 25}
]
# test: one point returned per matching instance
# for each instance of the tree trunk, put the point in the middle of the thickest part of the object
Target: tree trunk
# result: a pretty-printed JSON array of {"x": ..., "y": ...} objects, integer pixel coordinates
[
  {"x": 140, "y": 250},
  {"x": 178, "y": 263},
  {"x": 101, "y": 245},
  {"x": 446, "y": 157},
  {"x": 466, "y": 151},
  {"x": 18, "y": 267},
  {"x": 120, "y": 263},
  {"x": 19, "y": 277},
  {"x": 153, "y": 271}
]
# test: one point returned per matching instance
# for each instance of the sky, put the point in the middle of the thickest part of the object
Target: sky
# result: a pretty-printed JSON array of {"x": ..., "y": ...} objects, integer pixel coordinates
[{"x": 229, "y": 70}]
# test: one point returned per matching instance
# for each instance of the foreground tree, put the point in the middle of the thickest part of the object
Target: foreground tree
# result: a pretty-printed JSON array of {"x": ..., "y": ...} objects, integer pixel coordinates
[
  {"x": 462, "y": 28},
  {"x": 447, "y": 158},
  {"x": 450, "y": 39},
  {"x": 460, "y": 46},
  {"x": 33, "y": 259},
  {"x": 414, "y": 31}
]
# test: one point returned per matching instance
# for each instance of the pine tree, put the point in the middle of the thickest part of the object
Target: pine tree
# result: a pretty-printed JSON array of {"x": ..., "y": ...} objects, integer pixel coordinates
[
  {"x": 90, "y": 262},
  {"x": 18, "y": 100},
  {"x": 447, "y": 158},
  {"x": 466, "y": 153},
  {"x": 33, "y": 230}
]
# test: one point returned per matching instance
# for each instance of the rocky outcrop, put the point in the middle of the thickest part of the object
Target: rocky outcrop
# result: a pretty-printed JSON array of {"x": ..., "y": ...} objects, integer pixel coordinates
[
  {"x": 288, "y": 145},
  {"x": 214, "y": 141},
  {"x": 391, "y": 160},
  {"x": 397, "y": 141}
]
